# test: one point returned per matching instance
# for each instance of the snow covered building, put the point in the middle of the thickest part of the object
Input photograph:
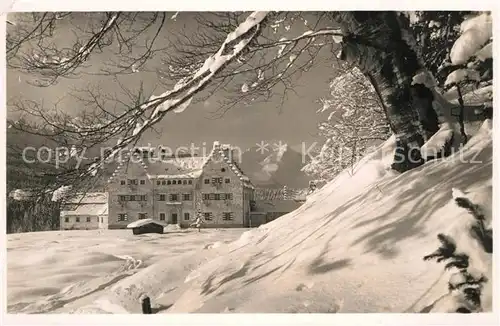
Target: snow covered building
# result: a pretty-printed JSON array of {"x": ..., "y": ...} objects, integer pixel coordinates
[
  {"x": 85, "y": 212},
  {"x": 148, "y": 183}
]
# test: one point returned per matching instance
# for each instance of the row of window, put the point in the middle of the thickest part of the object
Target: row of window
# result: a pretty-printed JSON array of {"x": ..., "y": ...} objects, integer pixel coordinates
[
  {"x": 208, "y": 216},
  {"x": 122, "y": 217},
  {"x": 220, "y": 196},
  {"x": 133, "y": 182},
  {"x": 226, "y": 216},
  {"x": 217, "y": 180},
  {"x": 132, "y": 197},
  {"x": 136, "y": 182},
  {"x": 214, "y": 180},
  {"x": 88, "y": 219},
  {"x": 174, "y": 182},
  {"x": 175, "y": 197}
]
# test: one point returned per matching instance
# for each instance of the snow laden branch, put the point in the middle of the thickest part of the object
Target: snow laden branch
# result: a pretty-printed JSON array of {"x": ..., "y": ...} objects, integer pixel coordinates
[
  {"x": 335, "y": 33},
  {"x": 180, "y": 97},
  {"x": 356, "y": 123},
  {"x": 52, "y": 63},
  {"x": 269, "y": 67},
  {"x": 129, "y": 37}
]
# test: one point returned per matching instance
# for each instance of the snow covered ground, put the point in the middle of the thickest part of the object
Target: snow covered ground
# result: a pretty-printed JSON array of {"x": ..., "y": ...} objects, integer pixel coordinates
[
  {"x": 59, "y": 270},
  {"x": 356, "y": 245}
]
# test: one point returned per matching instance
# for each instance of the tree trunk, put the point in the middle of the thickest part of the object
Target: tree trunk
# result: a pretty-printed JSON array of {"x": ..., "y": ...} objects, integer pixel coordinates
[{"x": 381, "y": 45}]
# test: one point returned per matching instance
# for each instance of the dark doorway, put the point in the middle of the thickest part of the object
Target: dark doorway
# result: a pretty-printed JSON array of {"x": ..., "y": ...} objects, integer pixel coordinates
[{"x": 174, "y": 218}]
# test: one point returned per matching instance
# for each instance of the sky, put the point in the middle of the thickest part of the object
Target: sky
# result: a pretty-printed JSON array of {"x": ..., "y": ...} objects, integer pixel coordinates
[{"x": 294, "y": 123}]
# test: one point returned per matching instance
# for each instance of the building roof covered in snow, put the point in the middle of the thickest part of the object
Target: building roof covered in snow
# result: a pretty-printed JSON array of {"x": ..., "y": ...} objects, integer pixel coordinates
[
  {"x": 184, "y": 166},
  {"x": 175, "y": 167},
  {"x": 91, "y": 203},
  {"x": 145, "y": 221},
  {"x": 85, "y": 209},
  {"x": 89, "y": 198}
]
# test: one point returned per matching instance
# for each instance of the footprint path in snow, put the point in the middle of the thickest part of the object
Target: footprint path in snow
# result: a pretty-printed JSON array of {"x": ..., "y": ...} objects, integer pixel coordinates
[{"x": 82, "y": 289}]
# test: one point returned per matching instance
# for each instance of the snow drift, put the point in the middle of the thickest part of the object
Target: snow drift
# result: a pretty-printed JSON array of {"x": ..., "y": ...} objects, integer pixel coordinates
[{"x": 356, "y": 245}]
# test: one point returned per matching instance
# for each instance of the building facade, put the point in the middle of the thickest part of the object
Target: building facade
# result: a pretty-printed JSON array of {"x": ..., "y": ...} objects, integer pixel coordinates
[
  {"x": 85, "y": 212},
  {"x": 176, "y": 190}
]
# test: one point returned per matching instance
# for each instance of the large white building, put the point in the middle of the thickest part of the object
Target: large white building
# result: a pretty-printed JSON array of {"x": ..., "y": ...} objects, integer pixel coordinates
[{"x": 178, "y": 189}]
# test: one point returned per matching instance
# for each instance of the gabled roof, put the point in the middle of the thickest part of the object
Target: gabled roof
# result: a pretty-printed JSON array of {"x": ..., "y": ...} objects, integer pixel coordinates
[
  {"x": 174, "y": 168},
  {"x": 145, "y": 221},
  {"x": 89, "y": 198},
  {"x": 86, "y": 209},
  {"x": 185, "y": 167}
]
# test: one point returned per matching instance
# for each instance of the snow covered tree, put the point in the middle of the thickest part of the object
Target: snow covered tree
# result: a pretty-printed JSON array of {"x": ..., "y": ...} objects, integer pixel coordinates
[
  {"x": 355, "y": 123},
  {"x": 468, "y": 250},
  {"x": 436, "y": 32}
]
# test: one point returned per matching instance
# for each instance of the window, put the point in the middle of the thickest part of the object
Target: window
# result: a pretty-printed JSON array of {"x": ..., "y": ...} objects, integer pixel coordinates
[
  {"x": 142, "y": 182},
  {"x": 132, "y": 181},
  {"x": 163, "y": 197},
  {"x": 227, "y": 180},
  {"x": 186, "y": 216},
  {"x": 217, "y": 180},
  {"x": 184, "y": 182},
  {"x": 162, "y": 216},
  {"x": 164, "y": 182},
  {"x": 123, "y": 182},
  {"x": 179, "y": 182},
  {"x": 77, "y": 219},
  {"x": 190, "y": 182},
  {"x": 66, "y": 219},
  {"x": 158, "y": 182},
  {"x": 208, "y": 216},
  {"x": 142, "y": 216},
  {"x": 174, "y": 197},
  {"x": 88, "y": 218},
  {"x": 145, "y": 154},
  {"x": 223, "y": 170},
  {"x": 186, "y": 197},
  {"x": 207, "y": 181},
  {"x": 131, "y": 198},
  {"x": 227, "y": 216},
  {"x": 206, "y": 196},
  {"x": 122, "y": 217},
  {"x": 229, "y": 196},
  {"x": 169, "y": 182},
  {"x": 217, "y": 196},
  {"x": 174, "y": 182},
  {"x": 142, "y": 197},
  {"x": 122, "y": 197},
  {"x": 212, "y": 196}
]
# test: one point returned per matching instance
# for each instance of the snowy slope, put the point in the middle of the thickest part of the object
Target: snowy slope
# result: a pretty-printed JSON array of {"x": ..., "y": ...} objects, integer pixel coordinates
[
  {"x": 354, "y": 246},
  {"x": 56, "y": 271}
]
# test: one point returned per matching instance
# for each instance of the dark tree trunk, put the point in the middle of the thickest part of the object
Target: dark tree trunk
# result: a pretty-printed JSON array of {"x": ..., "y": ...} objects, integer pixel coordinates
[{"x": 381, "y": 45}]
